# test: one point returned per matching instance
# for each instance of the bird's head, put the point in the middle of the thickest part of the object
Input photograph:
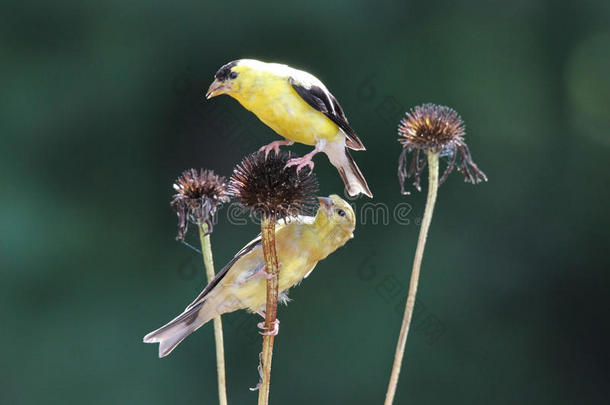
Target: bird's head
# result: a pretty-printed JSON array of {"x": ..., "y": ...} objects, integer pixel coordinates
[
  {"x": 224, "y": 80},
  {"x": 231, "y": 77},
  {"x": 337, "y": 216}
]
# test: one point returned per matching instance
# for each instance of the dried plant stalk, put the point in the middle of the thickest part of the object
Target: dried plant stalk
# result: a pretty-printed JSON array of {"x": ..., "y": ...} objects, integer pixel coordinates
[
  {"x": 268, "y": 242},
  {"x": 208, "y": 261},
  {"x": 419, "y": 254}
]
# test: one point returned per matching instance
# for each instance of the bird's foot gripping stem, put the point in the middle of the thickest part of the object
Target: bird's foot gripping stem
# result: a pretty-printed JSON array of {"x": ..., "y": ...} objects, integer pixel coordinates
[
  {"x": 262, "y": 272},
  {"x": 273, "y": 332},
  {"x": 275, "y": 146}
]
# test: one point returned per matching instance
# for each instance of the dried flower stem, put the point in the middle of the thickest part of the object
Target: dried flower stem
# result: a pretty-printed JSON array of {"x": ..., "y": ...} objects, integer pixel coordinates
[
  {"x": 208, "y": 261},
  {"x": 419, "y": 254},
  {"x": 268, "y": 242}
]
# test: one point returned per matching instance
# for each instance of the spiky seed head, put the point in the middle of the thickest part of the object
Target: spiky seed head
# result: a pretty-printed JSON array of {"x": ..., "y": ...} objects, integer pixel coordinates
[
  {"x": 430, "y": 126},
  {"x": 198, "y": 195},
  {"x": 265, "y": 186},
  {"x": 438, "y": 129}
]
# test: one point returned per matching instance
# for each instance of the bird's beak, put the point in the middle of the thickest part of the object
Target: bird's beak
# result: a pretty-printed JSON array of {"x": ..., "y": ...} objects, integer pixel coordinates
[
  {"x": 216, "y": 88},
  {"x": 326, "y": 203}
]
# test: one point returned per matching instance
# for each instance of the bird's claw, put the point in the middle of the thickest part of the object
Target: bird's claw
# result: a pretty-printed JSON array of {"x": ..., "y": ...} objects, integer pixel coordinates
[
  {"x": 275, "y": 146},
  {"x": 301, "y": 163},
  {"x": 273, "y": 332},
  {"x": 271, "y": 147},
  {"x": 262, "y": 272}
]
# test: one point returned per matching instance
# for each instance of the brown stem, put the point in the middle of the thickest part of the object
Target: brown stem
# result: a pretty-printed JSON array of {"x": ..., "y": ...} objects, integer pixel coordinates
[
  {"x": 268, "y": 242},
  {"x": 208, "y": 261},
  {"x": 419, "y": 254}
]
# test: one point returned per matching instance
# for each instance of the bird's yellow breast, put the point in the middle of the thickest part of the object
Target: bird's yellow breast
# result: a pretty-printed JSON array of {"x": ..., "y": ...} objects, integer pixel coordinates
[{"x": 273, "y": 100}]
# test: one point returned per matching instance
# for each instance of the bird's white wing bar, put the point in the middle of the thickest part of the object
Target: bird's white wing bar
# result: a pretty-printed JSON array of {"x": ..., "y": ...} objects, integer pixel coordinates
[{"x": 322, "y": 100}]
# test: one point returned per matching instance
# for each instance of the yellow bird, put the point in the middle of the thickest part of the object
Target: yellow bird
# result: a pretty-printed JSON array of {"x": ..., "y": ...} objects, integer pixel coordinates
[
  {"x": 298, "y": 107},
  {"x": 300, "y": 244}
]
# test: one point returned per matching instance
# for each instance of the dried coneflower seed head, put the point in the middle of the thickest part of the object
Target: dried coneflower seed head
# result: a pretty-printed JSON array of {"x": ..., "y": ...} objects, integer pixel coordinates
[
  {"x": 437, "y": 129},
  {"x": 198, "y": 196},
  {"x": 430, "y": 126},
  {"x": 265, "y": 186}
]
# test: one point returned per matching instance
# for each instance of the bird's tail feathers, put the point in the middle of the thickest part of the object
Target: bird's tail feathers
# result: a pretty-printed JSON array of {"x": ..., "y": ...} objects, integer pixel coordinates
[
  {"x": 350, "y": 173},
  {"x": 170, "y": 335}
]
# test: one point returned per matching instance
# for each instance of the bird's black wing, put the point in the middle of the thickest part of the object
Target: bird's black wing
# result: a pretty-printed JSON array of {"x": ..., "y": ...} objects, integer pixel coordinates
[
  {"x": 220, "y": 275},
  {"x": 327, "y": 104}
]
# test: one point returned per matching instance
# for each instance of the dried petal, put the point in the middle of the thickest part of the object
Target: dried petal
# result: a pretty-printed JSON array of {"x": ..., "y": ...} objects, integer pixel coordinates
[
  {"x": 199, "y": 195},
  {"x": 438, "y": 129}
]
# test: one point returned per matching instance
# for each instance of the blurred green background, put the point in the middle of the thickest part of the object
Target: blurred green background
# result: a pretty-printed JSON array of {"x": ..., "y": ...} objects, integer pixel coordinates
[{"x": 102, "y": 107}]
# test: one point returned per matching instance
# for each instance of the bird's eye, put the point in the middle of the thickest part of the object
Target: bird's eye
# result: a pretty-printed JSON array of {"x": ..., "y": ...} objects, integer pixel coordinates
[
  {"x": 341, "y": 213},
  {"x": 232, "y": 75}
]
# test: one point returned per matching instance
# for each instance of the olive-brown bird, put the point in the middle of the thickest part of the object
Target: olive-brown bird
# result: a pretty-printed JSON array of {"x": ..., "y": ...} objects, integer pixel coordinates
[{"x": 300, "y": 244}]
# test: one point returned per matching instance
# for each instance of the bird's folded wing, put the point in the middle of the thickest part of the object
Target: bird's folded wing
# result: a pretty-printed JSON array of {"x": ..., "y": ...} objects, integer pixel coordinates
[
  {"x": 244, "y": 251},
  {"x": 223, "y": 272},
  {"x": 323, "y": 101}
]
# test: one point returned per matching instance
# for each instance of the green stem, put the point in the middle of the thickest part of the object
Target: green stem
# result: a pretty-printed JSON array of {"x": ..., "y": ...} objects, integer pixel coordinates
[
  {"x": 419, "y": 254},
  {"x": 268, "y": 242},
  {"x": 208, "y": 261}
]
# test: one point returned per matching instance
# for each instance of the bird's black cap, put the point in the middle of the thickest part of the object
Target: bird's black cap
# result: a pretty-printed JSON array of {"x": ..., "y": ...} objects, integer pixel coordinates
[{"x": 224, "y": 72}]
